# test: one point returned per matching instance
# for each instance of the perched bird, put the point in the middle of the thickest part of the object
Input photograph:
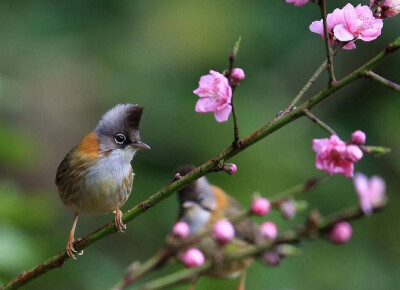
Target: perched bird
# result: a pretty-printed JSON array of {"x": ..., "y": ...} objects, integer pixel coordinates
[
  {"x": 96, "y": 176},
  {"x": 202, "y": 205}
]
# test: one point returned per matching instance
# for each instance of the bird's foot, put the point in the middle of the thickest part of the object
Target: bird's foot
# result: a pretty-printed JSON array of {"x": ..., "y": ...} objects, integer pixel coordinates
[
  {"x": 70, "y": 247},
  {"x": 118, "y": 221}
]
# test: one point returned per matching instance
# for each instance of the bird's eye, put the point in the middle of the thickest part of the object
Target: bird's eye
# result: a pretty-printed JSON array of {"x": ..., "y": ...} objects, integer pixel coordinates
[
  {"x": 200, "y": 199},
  {"x": 120, "y": 139}
]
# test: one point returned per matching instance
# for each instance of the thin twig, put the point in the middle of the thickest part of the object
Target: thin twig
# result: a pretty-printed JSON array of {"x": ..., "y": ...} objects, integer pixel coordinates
[
  {"x": 308, "y": 85},
  {"x": 382, "y": 80},
  {"x": 232, "y": 58},
  {"x": 59, "y": 259},
  {"x": 332, "y": 80},
  {"x": 313, "y": 118},
  {"x": 290, "y": 236}
]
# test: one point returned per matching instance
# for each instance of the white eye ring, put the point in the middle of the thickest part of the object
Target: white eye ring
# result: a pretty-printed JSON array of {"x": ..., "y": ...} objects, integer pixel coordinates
[{"x": 120, "y": 139}]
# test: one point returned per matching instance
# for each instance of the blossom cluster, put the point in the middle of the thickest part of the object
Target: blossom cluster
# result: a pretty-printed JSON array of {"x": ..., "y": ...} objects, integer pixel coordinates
[
  {"x": 349, "y": 24},
  {"x": 335, "y": 156}
]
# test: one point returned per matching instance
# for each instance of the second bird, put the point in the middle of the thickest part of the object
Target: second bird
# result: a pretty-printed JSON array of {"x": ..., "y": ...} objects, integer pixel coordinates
[{"x": 96, "y": 176}]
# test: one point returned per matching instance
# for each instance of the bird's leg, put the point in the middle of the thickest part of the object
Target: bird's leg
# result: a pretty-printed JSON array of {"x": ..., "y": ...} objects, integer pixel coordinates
[
  {"x": 70, "y": 245},
  {"x": 242, "y": 283},
  {"x": 118, "y": 220}
]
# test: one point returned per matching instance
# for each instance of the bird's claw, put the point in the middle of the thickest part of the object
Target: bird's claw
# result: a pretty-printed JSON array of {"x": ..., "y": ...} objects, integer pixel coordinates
[{"x": 70, "y": 248}]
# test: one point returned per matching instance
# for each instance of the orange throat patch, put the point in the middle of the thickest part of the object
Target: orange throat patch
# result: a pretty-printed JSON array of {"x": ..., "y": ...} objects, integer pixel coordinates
[{"x": 89, "y": 146}]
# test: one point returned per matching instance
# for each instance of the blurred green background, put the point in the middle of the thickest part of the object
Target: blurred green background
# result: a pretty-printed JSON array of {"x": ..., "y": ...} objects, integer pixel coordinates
[{"x": 64, "y": 63}]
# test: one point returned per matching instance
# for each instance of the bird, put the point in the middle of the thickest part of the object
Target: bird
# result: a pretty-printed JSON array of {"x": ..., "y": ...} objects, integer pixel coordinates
[
  {"x": 96, "y": 176},
  {"x": 202, "y": 204}
]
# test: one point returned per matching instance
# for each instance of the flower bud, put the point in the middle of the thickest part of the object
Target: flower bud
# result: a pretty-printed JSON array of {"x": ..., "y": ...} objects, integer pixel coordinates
[
  {"x": 354, "y": 153},
  {"x": 358, "y": 137},
  {"x": 269, "y": 230},
  {"x": 238, "y": 75},
  {"x": 272, "y": 258},
  {"x": 260, "y": 206},
  {"x": 192, "y": 258},
  {"x": 180, "y": 230},
  {"x": 288, "y": 208},
  {"x": 341, "y": 233},
  {"x": 232, "y": 169},
  {"x": 223, "y": 232}
]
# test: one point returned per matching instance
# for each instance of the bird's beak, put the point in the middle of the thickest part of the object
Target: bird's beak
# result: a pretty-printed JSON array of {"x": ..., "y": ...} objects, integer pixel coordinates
[
  {"x": 188, "y": 204},
  {"x": 141, "y": 145}
]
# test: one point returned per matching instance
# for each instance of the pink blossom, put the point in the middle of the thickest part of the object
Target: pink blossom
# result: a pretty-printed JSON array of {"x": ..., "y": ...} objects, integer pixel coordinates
[
  {"x": 341, "y": 233},
  {"x": 223, "y": 231},
  {"x": 335, "y": 157},
  {"x": 297, "y": 2},
  {"x": 288, "y": 209},
  {"x": 180, "y": 230},
  {"x": 269, "y": 230},
  {"x": 388, "y": 8},
  {"x": 358, "y": 23},
  {"x": 192, "y": 258},
  {"x": 232, "y": 169},
  {"x": 371, "y": 192},
  {"x": 358, "y": 137},
  {"x": 215, "y": 96},
  {"x": 348, "y": 24},
  {"x": 354, "y": 153},
  {"x": 238, "y": 74},
  {"x": 260, "y": 206}
]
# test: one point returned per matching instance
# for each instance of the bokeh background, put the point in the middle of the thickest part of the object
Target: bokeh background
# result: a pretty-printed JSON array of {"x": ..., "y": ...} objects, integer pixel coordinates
[{"x": 64, "y": 63}]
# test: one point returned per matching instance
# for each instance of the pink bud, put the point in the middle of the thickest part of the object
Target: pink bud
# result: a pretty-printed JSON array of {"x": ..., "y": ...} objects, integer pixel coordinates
[
  {"x": 238, "y": 74},
  {"x": 288, "y": 209},
  {"x": 358, "y": 137},
  {"x": 341, "y": 233},
  {"x": 269, "y": 230},
  {"x": 354, "y": 153},
  {"x": 192, "y": 258},
  {"x": 232, "y": 169},
  {"x": 180, "y": 230},
  {"x": 223, "y": 231},
  {"x": 260, "y": 206},
  {"x": 272, "y": 258}
]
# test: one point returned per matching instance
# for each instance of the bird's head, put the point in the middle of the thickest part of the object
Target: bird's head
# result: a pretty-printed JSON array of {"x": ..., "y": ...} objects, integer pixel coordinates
[{"x": 118, "y": 129}]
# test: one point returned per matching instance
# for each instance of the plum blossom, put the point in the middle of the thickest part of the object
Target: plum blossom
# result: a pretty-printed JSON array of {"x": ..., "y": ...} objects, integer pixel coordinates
[
  {"x": 336, "y": 157},
  {"x": 193, "y": 258},
  {"x": 180, "y": 230},
  {"x": 297, "y": 2},
  {"x": 358, "y": 137},
  {"x": 238, "y": 75},
  {"x": 223, "y": 231},
  {"x": 371, "y": 192},
  {"x": 348, "y": 24},
  {"x": 232, "y": 169},
  {"x": 260, "y": 206},
  {"x": 341, "y": 233},
  {"x": 389, "y": 8},
  {"x": 269, "y": 230},
  {"x": 288, "y": 209},
  {"x": 215, "y": 96}
]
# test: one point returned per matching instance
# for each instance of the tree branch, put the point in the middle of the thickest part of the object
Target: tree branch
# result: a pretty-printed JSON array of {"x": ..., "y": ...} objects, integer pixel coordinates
[
  {"x": 59, "y": 259},
  {"x": 332, "y": 80},
  {"x": 313, "y": 118},
  {"x": 382, "y": 80}
]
